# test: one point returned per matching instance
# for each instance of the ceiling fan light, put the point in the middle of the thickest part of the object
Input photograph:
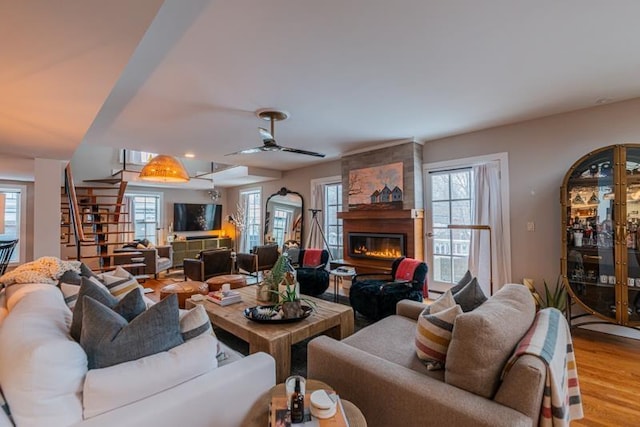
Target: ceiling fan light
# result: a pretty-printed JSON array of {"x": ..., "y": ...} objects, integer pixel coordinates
[{"x": 164, "y": 168}]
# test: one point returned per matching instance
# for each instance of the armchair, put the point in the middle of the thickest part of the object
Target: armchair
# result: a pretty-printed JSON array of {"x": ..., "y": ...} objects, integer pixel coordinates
[
  {"x": 376, "y": 295},
  {"x": 210, "y": 263},
  {"x": 312, "y": 273},
  {"x": 261, "y": 258},
  {"x": 156, "y": 259}
]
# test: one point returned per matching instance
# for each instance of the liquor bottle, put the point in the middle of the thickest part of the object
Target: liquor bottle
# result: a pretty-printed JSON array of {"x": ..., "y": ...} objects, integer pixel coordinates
[{"x": 297, "y": 404}]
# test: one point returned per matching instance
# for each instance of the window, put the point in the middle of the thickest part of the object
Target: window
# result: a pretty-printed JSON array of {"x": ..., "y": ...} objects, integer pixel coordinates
[
  {"x": 281, "y": 220},
  {"x": 468, "y": 191},
  {"x": 13, "y": 219},
  {"x": 146, "y": 215},
  {"x": 137, "y": 157},
  {"x": 451, "y": 201},
  {"x": 326, "y": 197},
  {"x": 333, "y": 225},
  {"x": 250, "y": 201}
]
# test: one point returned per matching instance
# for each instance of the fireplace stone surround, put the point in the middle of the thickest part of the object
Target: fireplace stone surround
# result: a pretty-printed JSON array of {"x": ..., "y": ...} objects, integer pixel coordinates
[{"x": 408, "y": 221}]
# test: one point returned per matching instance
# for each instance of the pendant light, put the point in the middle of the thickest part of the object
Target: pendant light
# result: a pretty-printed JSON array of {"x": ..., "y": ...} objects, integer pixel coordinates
[{"x": 164, "y": 168}]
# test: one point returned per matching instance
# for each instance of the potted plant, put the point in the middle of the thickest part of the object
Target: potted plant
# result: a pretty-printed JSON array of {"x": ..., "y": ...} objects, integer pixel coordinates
[
  {"x": 556, "y": 298},
  {"x": 272, "y": 279},
  {"x": 290, "y": 299}
]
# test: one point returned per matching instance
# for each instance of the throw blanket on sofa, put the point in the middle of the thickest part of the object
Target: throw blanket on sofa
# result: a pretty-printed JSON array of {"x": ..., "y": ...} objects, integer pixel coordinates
[
  {"x": 549, "y": 338},
  {"x": 47, "y": 269}
]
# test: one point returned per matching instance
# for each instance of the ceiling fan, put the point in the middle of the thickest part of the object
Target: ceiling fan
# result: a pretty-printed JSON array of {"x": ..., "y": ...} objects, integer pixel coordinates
[{"x": 269, "y": 143}]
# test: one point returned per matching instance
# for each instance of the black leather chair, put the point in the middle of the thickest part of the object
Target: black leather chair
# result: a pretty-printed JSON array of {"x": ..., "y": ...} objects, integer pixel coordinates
[
  {"x": 261, "y": 258},
  {"x": 375, "y": 295},
  {"x": 312, "y": 273},
  {"x": 210, "y": 263}
]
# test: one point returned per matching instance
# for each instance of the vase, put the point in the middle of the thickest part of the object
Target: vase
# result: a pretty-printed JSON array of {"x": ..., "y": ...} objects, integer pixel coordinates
[
  {"x": 263, "y": 292},
  {"x": 292, "y": 309}
]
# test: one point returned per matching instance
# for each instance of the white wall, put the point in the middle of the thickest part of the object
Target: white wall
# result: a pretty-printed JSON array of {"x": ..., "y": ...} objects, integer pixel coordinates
[
  {"x": 46, "y": 217},
  {"x": 540, "y": 153}
]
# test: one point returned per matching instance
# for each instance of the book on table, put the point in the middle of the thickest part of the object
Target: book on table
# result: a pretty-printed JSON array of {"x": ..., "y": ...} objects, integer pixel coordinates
[
  {"x": 224, "y": 297},
  {"x": 279, "y": 417}
]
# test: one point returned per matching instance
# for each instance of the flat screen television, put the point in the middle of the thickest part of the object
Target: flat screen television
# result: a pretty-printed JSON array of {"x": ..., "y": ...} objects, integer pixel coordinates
[{"x": 197, "y": 217}]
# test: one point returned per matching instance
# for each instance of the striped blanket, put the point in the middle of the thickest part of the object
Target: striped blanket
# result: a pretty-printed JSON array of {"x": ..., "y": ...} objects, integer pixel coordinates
[{"x": 550, "y": 339}]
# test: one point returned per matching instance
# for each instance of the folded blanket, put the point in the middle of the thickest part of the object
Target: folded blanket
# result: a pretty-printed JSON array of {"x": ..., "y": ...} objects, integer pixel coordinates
[
  {"x": 549, "y": 338},
  {"x": 47, "y": 269}
]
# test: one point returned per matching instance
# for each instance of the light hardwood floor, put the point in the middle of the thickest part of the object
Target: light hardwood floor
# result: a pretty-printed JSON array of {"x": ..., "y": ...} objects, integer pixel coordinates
[
  {"x": 608, "y": 371},
  {"x": 609, "y": 375}
]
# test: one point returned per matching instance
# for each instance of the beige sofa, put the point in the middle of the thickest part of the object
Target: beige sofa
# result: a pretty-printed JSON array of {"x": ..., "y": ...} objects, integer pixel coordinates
[{"x": 378, "y": 370}]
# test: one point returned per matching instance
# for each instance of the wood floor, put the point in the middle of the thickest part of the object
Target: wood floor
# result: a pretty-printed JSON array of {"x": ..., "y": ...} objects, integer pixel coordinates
[
  {"x": 609, "y": 375},
  {"x": 608, "y": 371}
]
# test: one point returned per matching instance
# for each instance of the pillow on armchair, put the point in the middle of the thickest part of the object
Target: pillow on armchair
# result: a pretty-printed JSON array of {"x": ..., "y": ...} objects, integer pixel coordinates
[{"x": 312, "y": 274}]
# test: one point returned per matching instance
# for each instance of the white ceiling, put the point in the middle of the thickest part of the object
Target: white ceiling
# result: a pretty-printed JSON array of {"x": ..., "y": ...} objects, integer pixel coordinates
[{"x": 352, "y": 73}]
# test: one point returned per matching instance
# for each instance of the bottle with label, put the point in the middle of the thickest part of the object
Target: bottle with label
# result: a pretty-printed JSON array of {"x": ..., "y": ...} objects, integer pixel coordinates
[{"x": 297, "y": 404}]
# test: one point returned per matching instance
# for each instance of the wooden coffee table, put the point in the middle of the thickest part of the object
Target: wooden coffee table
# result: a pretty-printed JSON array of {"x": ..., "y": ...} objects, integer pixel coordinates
[{"x": 335, "y": 320}]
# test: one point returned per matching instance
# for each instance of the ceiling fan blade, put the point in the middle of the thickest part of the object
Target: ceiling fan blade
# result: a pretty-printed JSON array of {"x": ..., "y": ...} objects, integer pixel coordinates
[
  {"x": 298, "y": 151},
  {"x": 247, "y": 151}
]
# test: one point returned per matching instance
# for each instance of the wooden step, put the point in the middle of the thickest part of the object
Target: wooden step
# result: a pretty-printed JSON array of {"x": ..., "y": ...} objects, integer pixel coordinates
[
  {"x": 92, "y": 243},
  {"x": 105, "y": 180}
]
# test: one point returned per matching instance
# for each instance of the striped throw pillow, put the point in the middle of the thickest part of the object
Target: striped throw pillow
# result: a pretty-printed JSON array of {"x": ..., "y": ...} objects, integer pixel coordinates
[
  {"x": 70, "y": 282},
  {"x": 433, "y": 335},
  {"x": 445, "y": 301},
  {"x": 120, "y": 282},
  {"x": 194, "y": 323}
]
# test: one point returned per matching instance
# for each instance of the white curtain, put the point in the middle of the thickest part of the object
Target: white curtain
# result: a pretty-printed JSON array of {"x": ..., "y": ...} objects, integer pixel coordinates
[
  {"x": 243, "y": 235},
  {"x": 317, "y": 202},
  {"x": 487, "y": 210}
]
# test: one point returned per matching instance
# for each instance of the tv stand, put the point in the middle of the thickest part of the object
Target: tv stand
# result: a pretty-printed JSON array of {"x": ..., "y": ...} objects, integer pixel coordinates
[
  {"x": 191, "y": 247},
  {"x": 202, "y": 237}
]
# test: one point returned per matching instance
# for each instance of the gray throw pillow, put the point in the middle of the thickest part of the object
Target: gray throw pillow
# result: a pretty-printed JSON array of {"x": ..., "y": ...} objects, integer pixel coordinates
[
  {"x": 108, "y": 339},
  {"x": 462, "y": 283},
  {"x": 470, "y": 296},
  {"x": 129, "y": 307}
]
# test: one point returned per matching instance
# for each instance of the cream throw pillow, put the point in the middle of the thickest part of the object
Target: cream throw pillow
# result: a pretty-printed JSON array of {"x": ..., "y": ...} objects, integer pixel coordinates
[{"x": 433, "y": 335}]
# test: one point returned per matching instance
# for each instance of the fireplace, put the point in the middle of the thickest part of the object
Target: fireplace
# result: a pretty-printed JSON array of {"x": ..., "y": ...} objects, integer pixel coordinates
[
  {"x": 406, "y": 223},
  {"x": 376, "y": 245}
]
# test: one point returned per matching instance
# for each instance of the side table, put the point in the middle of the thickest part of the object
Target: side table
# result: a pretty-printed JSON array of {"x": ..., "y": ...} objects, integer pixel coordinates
[
  {"x": 259, "y": 413},
  {"x": 337, "y": 276}
]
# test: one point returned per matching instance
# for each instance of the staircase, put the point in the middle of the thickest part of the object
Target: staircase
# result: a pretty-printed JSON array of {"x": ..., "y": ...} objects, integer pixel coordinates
[{"x": 94, "y": 222}]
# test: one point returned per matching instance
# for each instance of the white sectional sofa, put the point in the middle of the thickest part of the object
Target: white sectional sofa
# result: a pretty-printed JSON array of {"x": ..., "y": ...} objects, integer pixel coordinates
[{"x": 45, "y": 381}]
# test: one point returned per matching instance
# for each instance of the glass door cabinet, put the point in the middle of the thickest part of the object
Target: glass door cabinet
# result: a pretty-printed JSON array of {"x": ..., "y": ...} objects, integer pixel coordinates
[{"x": 600, "y": 198}]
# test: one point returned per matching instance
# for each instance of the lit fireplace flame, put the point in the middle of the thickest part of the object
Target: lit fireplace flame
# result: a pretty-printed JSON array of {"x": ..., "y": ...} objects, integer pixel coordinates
[{"x": 385, "y": 253}]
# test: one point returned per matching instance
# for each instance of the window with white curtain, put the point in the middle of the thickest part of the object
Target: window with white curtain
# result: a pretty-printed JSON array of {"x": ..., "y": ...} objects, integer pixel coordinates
[
  {"x": 14, "y": 201},
  {"x": 145, "y": 215},
  {"x": 468, "y": 192},
  {"x": 326, "y": 197},
  {"x": 332, "y": 224},
  {"x": 250, "y": 200}
]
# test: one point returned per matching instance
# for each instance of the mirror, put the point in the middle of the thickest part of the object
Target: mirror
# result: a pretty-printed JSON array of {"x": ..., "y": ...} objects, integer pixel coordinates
[{"x": 283, "y": 218}]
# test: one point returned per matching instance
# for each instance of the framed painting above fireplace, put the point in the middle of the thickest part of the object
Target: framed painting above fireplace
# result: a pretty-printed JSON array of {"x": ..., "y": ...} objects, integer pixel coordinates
[{"x": 379, "y": 187}]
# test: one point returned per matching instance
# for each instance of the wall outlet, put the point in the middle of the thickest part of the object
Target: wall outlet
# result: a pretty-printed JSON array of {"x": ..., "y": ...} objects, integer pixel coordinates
[{"x": 531, "y": 226}]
